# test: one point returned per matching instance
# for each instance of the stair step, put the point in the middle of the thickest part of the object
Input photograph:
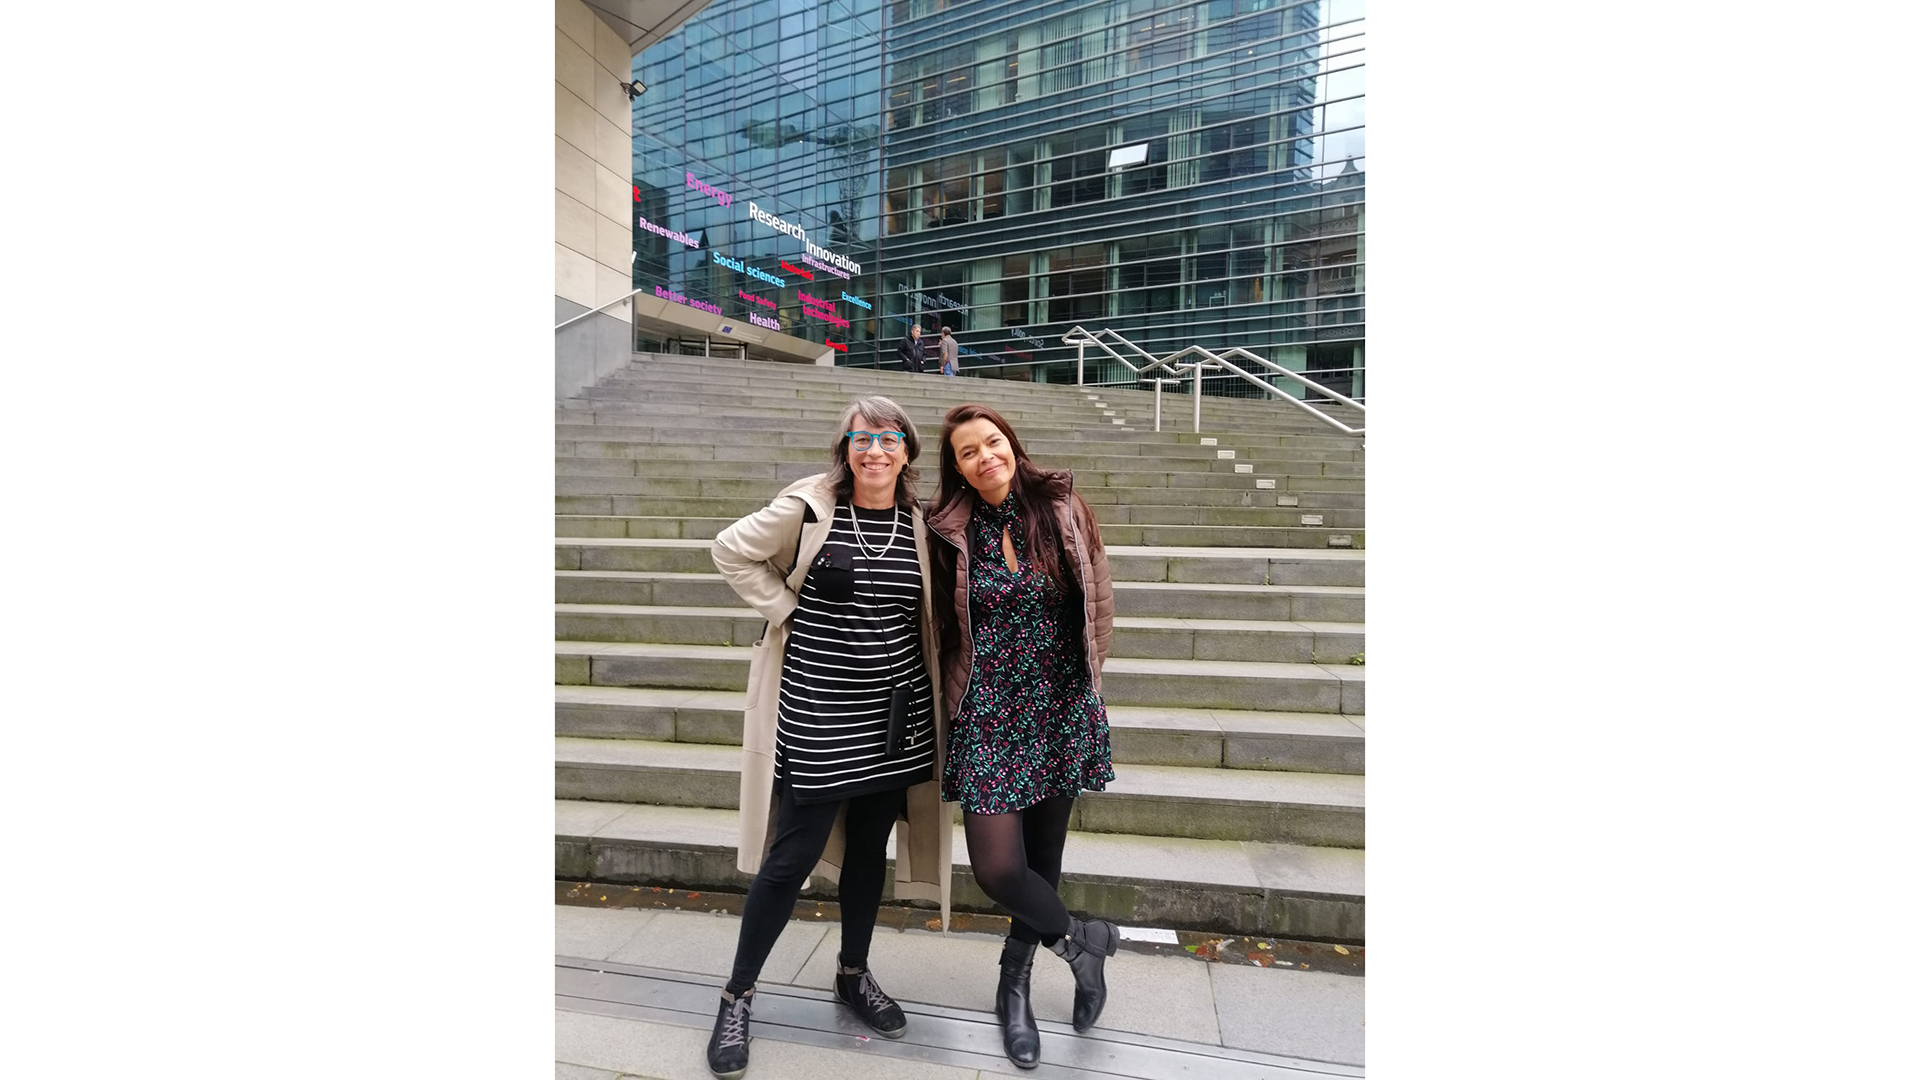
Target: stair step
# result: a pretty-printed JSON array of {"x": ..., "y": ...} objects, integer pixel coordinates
[
  {"x": 1320, "y": 809},
  {"x": 642, "y": 515},
  {"x": 1047, "y": 450},
  {"x": 1200, "y": 684},
  {"x": 1161, "y": 599},
  {"x": 1137, "y": 636},
  {"x": 1126, "y": 562},
  {"x": 1108, "y": 439},
  {"x": 1195, "y": 536},
  {"x": 1103, "y": 500},
  {"x": 1221, "y": 886},
  {"x": 1290, "y": 742},
  {"x": 765, "y": 479}
]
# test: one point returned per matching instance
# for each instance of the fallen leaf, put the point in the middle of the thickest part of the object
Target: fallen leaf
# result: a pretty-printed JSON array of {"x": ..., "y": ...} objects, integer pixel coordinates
[
  {"x": 1264, "y": 945},
  {"x": 693, "y": 896},
  {"x": 1342, "y": 950},
  {"x": 1195, "y": 949}
]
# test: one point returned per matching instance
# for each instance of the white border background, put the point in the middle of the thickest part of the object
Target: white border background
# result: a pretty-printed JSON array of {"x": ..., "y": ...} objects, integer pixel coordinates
[{"x": 277, "y": 779}]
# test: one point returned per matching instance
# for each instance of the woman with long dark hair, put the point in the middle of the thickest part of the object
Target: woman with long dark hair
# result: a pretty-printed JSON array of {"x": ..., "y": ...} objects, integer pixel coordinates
[
  {"x": 1025, "y": 606},
  {"x": 842, "y": 733}
]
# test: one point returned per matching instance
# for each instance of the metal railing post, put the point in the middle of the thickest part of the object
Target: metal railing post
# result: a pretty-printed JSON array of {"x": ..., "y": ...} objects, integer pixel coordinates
[
  {"x": 1080, "y": 379},
  {"x": 1157, "y": 385},
  {"x": 1197, "y": 370}
]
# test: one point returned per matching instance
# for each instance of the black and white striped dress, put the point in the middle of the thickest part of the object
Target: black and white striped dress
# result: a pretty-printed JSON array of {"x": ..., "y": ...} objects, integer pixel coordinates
[{"x": 843, "y": 659}]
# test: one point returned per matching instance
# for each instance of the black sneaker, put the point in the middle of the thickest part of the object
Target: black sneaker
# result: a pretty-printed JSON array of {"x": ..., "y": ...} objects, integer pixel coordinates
[
  {"x": 857, "y": 991},
  {"x": 727, "y": 1050}
]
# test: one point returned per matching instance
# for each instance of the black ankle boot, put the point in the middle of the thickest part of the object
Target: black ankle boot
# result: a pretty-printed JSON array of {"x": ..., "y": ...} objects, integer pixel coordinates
[
  {"x": 727, "y": 1050},
  {"x": 855, "y": 989},
  {"x": 1013, "y": 1001},
  {"x": 1085, "y": 948}
]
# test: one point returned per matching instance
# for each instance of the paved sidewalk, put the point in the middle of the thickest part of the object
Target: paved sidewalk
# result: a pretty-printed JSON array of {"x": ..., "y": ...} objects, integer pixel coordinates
[{"x": 643, "y": 1004}]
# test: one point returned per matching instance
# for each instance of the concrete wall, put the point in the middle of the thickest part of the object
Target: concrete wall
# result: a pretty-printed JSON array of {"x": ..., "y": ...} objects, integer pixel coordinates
[{"x": 592, "y": 196}]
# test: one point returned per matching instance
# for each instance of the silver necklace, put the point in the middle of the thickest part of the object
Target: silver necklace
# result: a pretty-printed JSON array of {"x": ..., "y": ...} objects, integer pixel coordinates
[{"x": 854, "y": 513}]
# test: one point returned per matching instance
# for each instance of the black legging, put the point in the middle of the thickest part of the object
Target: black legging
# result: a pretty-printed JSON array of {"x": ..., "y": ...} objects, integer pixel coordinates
[
  {"x": 800, "y": 836},
  {"x": 1016, "y": 861}
]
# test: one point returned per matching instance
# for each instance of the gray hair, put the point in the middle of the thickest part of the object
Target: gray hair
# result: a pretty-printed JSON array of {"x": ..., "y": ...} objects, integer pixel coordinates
[{"x": 887, "y": 415}]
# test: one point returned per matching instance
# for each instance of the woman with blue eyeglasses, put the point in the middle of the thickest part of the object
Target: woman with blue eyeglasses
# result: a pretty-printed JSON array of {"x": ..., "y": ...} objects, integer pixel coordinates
[{"x": 842, "y": 738}]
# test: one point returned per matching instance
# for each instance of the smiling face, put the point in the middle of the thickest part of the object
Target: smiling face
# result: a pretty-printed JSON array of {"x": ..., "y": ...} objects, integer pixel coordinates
[
  {"x": 874, "y": 470},
  {"x": 984, "y": 458}
]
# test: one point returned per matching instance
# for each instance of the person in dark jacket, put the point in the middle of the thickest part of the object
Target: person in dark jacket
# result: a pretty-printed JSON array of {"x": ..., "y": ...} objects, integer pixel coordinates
[
  {"x": 913, "y": 351},
  {"x": 1024, "y": 603}
]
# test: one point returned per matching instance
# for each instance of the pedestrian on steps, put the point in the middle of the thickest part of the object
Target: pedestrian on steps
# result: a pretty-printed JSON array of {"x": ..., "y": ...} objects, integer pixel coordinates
[
  {"x": 842, "y": 738},
  {"x": 913, "y": 351},
  {"x": 949, "y": 352},
  {"x": 1025, "y": 604}
]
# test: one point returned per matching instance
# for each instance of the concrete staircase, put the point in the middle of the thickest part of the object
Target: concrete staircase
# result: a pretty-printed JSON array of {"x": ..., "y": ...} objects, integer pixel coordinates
[{"x": 1238, "y": 721}]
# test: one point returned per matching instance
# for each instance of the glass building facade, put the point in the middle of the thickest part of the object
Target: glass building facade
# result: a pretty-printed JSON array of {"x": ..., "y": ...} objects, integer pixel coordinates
[{"x": 1181, "y": 173}]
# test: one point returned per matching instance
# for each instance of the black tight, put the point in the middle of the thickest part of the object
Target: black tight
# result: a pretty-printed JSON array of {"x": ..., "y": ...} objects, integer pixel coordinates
[
  {"x": 1016, "y": 860},
  {"x": 800, "y": 836}
]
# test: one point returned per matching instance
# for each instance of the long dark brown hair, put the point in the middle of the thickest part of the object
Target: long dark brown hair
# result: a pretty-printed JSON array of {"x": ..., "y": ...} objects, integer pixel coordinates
[{"x": 1034, "y": 487}]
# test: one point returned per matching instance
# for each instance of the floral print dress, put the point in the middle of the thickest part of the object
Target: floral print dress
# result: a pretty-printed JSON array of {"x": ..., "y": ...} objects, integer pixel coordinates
[{"x": 1031, "y": 726}]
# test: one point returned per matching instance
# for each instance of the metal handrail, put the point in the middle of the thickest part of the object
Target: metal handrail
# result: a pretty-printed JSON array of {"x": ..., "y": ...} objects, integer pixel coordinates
[
  {"x": 1080, "y": 337},
  {"x": 602, "y": 307}
]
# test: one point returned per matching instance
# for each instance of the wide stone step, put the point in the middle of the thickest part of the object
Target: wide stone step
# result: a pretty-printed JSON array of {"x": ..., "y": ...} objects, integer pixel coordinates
[
  {"x": 651, "y": 410},
  {"x": 670, "y": 378},
  {"x": 815, "y": 460},
  {"x": 1056, "y": 454},
  {"x": 1220, "y": 886},
  {"x": 1176, "y": 413},
  {"x": 648, "y": 407},
  {"x": 1110, "y": 439},
  {"x": 1189, "y": 565},
  {"x": 1194, "y": 738},
  {"x": 571, "y": 510},
  {"x": 736, "y": 479},
  {"x": 1254, "y": 640},
  {"x": 1199, "y": 536},
  {"x": 1319, "y": 809},
  {"x": 1110, "y": 504},
  {"x": 1176, "y": 600},
  {"x": 1272, "y": 417},
  {"x": 1244, "y": 489},
  {"x": 1195, "y": 684}
]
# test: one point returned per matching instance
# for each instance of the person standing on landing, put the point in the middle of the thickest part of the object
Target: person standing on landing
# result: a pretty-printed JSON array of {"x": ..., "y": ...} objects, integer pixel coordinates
[
  {"x": 1025, "y": 604},
  {"x": 913, "y": 351},
  {"x": 949, "y": 352},
  {"x": 842, "y": 729}
]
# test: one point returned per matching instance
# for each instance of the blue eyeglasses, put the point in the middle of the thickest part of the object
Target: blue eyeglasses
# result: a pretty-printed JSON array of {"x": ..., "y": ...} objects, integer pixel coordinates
[{"x": 863, "y": 440}]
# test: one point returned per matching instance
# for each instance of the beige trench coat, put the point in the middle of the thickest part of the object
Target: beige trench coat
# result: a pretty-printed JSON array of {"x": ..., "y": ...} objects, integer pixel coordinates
[{"x": 753, "y": 555}]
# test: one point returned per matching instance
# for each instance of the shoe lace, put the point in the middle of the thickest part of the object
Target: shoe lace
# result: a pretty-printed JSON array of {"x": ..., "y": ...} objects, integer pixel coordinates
[
  {"x": 733, "y": 1032},
  {"x": 876, "y": 997}
]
